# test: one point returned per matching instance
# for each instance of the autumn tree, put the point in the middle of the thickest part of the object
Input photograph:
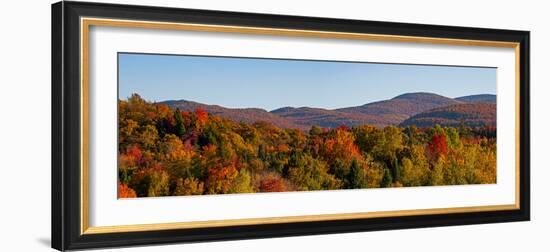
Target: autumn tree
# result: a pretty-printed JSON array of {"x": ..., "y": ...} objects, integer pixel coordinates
[
  {"x": 272, "y": 183},
  {"x": 438, "y": 145},
  {"x": 125, "y": 192},
  {"x": 188, "y": 186},
  {"x": 387, "y": 144},
  {"x": 220, "y": 179},
  {"x": 202, "y": 118},
  {"x": 416, "y": 168},
  {"x": 242, "y": 183},
  {"x": 307, "y": 173}
]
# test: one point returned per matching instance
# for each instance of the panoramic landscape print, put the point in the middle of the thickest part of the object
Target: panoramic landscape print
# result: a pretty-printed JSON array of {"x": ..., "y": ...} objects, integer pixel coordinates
[{"x": 198, "y": 125}]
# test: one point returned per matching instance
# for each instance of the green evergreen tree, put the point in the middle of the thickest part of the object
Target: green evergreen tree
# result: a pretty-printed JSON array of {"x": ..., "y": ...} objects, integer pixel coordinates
[
  {"x": 180, "y": 126},
  {"x": 356, "y": 177},
  {"x": 396, "y": 170},
  {"x": 387, "y": 179}
]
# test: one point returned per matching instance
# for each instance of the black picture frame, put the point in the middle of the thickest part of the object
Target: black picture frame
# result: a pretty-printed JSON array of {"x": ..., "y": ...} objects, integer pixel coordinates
[{"x": 66, "y": 155}]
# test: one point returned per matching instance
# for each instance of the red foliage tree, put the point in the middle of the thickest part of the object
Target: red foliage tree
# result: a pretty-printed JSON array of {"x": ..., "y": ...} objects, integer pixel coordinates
[
  {"x": 220, "y": 179},
  {"x": 134, "y": 152},
  {"x": 202, "y": 117},
  {"x": 340, "y": 146},
  {"x": 272, "y": 183},
  {"x": 438, "y": 145},
  {"x": 131, "y": 158}
]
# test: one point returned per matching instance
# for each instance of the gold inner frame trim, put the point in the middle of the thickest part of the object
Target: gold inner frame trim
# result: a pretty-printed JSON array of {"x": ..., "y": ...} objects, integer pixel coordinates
[
  {"x": 85, "y": 24},
  {"x": 288, "y": 219}
]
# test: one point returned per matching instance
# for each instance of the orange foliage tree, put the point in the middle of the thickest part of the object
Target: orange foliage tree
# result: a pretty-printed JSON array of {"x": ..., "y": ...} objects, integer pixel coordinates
[{"x": 125, "y": 192}]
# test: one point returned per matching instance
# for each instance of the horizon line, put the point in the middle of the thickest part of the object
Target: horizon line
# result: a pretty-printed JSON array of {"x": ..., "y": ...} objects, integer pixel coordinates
[{"x": 296, "y": 107}]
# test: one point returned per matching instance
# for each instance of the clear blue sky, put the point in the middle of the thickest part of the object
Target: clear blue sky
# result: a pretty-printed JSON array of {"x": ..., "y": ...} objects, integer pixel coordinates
[{"x": 271, "y": 84}]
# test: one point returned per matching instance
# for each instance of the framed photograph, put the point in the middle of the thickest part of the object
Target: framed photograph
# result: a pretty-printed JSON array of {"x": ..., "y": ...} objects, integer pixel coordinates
[{"x": 179, "y": 125}]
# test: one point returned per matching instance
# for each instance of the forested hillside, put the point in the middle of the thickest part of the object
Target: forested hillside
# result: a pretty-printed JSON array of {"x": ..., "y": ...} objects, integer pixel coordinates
[
  {"x": 380, "y": 114},
  {"x": 248, "y": 115},
  {"x": 472, "y": 114},
  {"x": 482, "y": 98},
  {"x": 399, "y": 108},
  {"x": 166, "y": 151}
]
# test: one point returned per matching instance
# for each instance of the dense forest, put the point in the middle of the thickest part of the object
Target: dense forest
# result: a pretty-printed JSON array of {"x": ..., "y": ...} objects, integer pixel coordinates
[{"x": 165, "y": 151}]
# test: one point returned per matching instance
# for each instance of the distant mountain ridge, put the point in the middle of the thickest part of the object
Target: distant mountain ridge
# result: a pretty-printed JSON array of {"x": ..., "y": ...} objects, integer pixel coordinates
[
  {"x": 470, "y": 114},
  {"x": 481, "y": 98},
  {"x": 306, "y": 117},
  {"x": 249, "y": 115},
  {"x": 399, "y": 110}
]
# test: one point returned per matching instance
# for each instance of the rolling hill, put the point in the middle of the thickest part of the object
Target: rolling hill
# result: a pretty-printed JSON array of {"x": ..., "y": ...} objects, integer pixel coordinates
[
  {"x": 405, "y": 109},
  {"x": 307, "y": 117},
  {"x": 482, "y": 98},
  {"x": 399, "y": 108},
  {"x": 249, "y": 115},
  {"x": 470, "y": 114}
]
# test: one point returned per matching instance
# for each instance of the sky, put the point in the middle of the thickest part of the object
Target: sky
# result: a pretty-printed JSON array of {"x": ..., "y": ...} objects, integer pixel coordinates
[{"x": 275, "y": 83}]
